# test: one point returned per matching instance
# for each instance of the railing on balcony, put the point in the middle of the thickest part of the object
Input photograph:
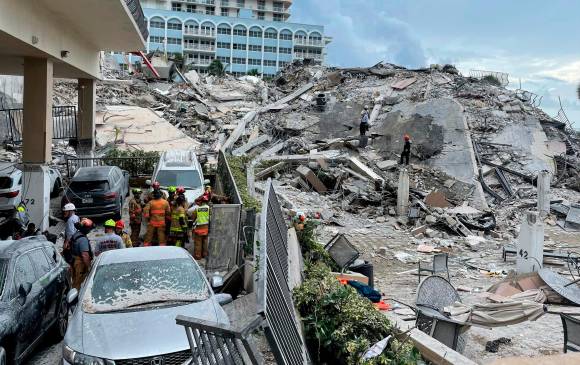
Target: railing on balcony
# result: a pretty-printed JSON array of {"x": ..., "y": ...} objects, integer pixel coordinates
[
  {"x": 199, "y": 47},
  {"x": 201, "y": 2},
  {"x": 200, "y": 32},
  {"x": 308, "y": 42},
  {"x": 313, "y": 56},
  {"x": 198, "y": 62},
  {"x": 137, "y": 12}
]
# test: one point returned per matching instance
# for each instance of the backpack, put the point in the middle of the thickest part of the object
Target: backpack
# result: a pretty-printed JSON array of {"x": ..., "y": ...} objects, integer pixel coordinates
[{"x": 74, "y": 238}]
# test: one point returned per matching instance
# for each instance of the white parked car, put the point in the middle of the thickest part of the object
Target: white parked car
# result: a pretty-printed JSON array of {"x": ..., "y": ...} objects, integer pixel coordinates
[
  {"x": 180, "y": 168},
  {"x": 11, "y": 185}
]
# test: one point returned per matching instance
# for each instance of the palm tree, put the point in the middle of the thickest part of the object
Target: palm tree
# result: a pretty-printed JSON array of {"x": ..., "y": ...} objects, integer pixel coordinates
[
  {"x": 216, "y": 68},
  {"x": 253, "y": 72}
]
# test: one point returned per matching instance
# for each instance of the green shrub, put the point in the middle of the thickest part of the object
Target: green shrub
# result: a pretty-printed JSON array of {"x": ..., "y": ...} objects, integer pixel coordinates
[
  {"x": 137, "y": 163},
  {"x": 238, "y": 167}
]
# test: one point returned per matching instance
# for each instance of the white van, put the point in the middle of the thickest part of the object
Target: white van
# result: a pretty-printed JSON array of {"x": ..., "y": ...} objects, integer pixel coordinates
[{"x": 180, "y": 168}]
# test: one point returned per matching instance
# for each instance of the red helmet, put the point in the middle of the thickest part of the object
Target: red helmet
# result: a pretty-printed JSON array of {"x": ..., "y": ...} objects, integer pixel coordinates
[
  {"x": 156, "y": 185},
  {"x": 406, "y": 137},
  {"x": 86, "y": 222},
  {"x": 120, "y": 224},
  {"x": 180, "y": 190}
]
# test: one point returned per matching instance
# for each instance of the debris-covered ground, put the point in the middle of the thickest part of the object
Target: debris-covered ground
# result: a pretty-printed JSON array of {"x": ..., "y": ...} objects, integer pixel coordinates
[{"x": 477, "y": 150}]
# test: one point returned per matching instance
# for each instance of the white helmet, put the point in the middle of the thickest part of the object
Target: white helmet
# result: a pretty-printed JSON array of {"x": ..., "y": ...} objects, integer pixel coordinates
[{"x": 69, "y": 207}]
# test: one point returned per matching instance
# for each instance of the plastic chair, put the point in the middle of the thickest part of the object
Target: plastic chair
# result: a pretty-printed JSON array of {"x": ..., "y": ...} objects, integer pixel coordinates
[
  {"x": 438, "y": 265},
  {"x": 571, "y": 333}
]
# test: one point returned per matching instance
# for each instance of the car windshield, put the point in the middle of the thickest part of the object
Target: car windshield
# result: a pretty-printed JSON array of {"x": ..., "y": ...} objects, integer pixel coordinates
[
  {"x": 86, "y": 186},
  {"x": 3, "y": 272},
  {"x": 128, "y": 285},
  {"x": 5, "y": 182},
  {"x": 186, "y": 178}
]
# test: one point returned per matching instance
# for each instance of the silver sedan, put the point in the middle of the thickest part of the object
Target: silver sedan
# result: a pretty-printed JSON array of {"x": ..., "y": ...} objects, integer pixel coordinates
[{"x": 125, "y": 311}]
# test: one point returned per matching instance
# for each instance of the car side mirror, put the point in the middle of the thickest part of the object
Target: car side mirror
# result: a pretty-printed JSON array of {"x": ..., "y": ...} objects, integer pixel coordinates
[
  {"x": 148, "y": 182},
  {"x": 23, "y": 291},
  {"x": 72, "y": 297},
  {"x": 224, "y": 298}
]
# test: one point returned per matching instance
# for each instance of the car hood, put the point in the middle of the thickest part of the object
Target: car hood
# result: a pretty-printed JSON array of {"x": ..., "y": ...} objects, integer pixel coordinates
[{"x": 128, "y": 335}]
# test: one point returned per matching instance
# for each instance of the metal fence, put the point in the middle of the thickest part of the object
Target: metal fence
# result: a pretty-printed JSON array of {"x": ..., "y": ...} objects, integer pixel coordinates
[
  {"x": 225, "y": 182},
  {"x": 274, "y": 299},
  {"x": 136, "y": 166},
  {"x": 64, "y": 123},
  {"x": 139, "y": 17},
  {"x": 213, "y": 343},
  {"x": 224, "y": 237}
]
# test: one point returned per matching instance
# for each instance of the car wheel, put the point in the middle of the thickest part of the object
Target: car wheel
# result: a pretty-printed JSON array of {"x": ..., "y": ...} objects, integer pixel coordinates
[
  {"x": 61, "y": 324},
  {"x": 56, "y": 189},
  {"x": 2, "y": 356}
]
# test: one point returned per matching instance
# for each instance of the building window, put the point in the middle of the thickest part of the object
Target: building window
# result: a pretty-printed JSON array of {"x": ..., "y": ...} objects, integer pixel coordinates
[
  {"x": 155, "y": 39},
  {"x": 255, "y": 33},
  {"x": 254, "y": 62},
  {"x": 255, "y": 48},
  {"x": 269, "y": 63},
  {"x": 285, "y": 50},
  {"x": 223, "y": 59},
  {"x": 225, "y": 2},
  {"x": 261, "y": 5},
  {"x": 261, "y": 15},
  {"x": 225, "y": 12},
  {"x": 283, "y": 64},
  {"x": 173, "y": 40},
  {"x": 223, "y": 45},
  {"x": 191, "y": 8},
  {"x": 269, "y": 49},
  {"x": 286, "y": 36},
  {"x": 277, "y": 17},
  {"x": 241, "y": 32},
  {"x": 174, "y": 26},
  {"x": 241, "y": 3},
  {"x": 157, "y": 24},
  {"x": 176, "y": 6},
  {"x": 271, "y": 35},
  {"x": 239, "y": 61},
  {"x": 227, "y": 31},
  {"x": 210, "y": 10},
  {"x": 240, "y": 46}
]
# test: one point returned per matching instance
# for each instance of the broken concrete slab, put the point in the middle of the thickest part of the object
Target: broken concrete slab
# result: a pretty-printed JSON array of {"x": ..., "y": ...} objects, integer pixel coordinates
[
  {"x": 363, "y": 169},
  {"x": 437, "y": 199},
  {"x": 387, "y": 164},
  {"x": 253, "y": 143},
  {"x": 403, "y": 84},
  {"x": 311, "y": 177}
]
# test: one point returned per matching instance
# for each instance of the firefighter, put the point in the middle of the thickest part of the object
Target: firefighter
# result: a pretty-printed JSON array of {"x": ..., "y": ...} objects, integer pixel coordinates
[
  {"x": 170, "y": 199},
  {"x": 201, "y": 218},
  {"x": 181, "y": 192},
  {"x": 135, "y": 216},
  {"x": 81, "y": 252},
  {"x": 156, "y": 187},
  {"x": 156, "y": 212},
  {"x": 178, "y": 231},
  {"x": 120, "y": 231}
]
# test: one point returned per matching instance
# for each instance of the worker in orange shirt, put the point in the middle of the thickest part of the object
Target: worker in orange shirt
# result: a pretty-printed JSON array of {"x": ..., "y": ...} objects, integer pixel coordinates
[
  {"x": 201, "y": 217},
  {"x": 157, "y": 212}
]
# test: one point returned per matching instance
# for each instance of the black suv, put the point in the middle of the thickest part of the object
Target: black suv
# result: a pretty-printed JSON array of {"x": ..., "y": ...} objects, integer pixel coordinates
[
  {"x": 98, "y": 191},
  {"x": 34, "y": 282}
]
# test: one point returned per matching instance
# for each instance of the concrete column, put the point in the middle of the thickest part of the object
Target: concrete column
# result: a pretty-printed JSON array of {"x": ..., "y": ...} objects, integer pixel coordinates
[
  {"x": 37, "y": 139},
  {"x": 87, "y": 96},
  {"x": 403, "y": 193},
  {"x": 530, "y": 247},
  {"x": 544, "y": 179},
  {"x": 37, "y": 119}
]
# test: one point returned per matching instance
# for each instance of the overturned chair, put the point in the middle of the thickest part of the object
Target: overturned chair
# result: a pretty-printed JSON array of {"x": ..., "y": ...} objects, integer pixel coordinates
[{"x": 214, "y": 343}]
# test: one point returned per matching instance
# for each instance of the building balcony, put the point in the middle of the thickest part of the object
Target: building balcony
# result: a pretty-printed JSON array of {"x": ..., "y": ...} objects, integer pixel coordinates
[
  {"x": 302, "y": 55},
  {"x": 136, "y": 10},
  {"x": 198, "y": 63},
  {"x": 200, "y": 2},
  {"x": 199, "y": 47},
  {"x": 308, "y": 42},
  {"x": 202, "y": 33}
]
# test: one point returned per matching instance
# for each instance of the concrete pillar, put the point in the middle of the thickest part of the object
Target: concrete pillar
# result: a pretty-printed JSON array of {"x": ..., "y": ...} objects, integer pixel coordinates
[
  {"x": 403, "y": 193},
  {"x": 87, "y": 96},
  {"x": 544, "y": 179},
  {"x": 37, "y": 139},
  {"x": 530, "y": 247}
]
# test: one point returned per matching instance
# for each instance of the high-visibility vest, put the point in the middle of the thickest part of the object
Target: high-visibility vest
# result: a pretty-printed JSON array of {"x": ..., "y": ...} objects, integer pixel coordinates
[
  {"x": 202, "y": 216},
  {"x": 177, "y": 212}
]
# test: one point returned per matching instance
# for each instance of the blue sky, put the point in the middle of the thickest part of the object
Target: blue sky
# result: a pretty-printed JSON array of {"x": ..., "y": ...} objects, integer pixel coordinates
[{"x": 535, "y": 41}]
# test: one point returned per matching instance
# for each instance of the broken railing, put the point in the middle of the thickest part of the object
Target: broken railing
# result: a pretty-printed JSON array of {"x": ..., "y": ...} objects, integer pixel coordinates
[
  {"x": 136, "y": 166},
  {"x": 274, "y": 298},
  {"x": 502, "y": 77},
  {"x": 64, "y": 123},
  {"x": 139, "y": 17},
  {"x": 214, "y": 343}
]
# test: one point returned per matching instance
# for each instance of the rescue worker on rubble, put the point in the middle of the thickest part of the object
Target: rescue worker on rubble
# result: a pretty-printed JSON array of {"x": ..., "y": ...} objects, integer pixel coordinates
[
  {"x": 156, "y": 213},
  {"x": 110, "y": 240},
  {"x": 178, "y": 230},
  {"x": 135, "y": 216},
  {"x": 82, "y": 253},
  {"x": 120, "y": 231},
  {"x": 406, "y": 150},
  {"x": 201, "y": 218},
  {"x": 364, "y": 121}
]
